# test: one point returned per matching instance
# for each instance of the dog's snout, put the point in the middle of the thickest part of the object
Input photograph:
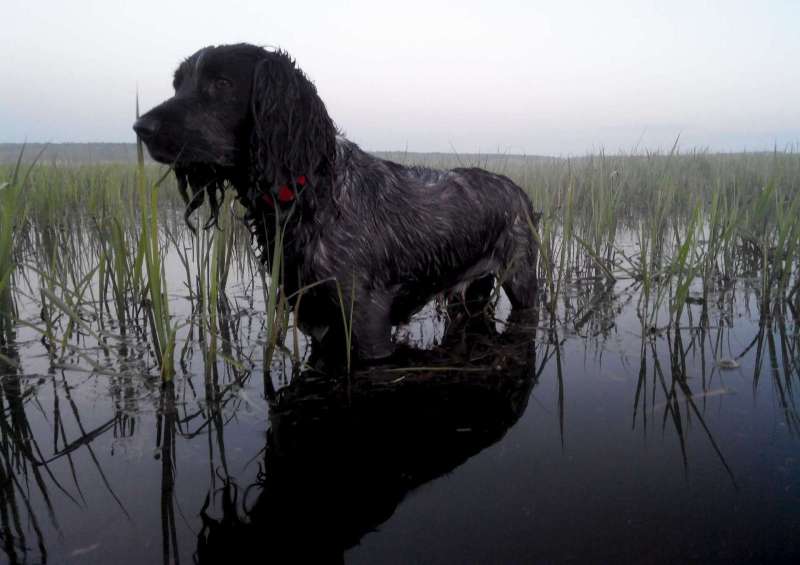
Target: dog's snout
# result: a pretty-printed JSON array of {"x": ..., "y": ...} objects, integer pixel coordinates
[{"x": 146, "y": 126}]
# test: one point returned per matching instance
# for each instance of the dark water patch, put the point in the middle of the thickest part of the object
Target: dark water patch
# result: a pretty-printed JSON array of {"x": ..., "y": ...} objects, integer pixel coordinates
[{"x": 528, "y": 440}]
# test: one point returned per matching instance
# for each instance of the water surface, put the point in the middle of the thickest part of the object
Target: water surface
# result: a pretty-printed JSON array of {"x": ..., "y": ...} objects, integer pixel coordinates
[{"x": 580, "y": 436}]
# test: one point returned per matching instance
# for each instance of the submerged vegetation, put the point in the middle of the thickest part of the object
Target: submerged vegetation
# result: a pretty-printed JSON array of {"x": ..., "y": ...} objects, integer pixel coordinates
[{"x": 100, "y": 276}]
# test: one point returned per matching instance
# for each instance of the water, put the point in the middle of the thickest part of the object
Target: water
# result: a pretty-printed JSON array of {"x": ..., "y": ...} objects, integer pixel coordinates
[{"x": 538, "y": 439}]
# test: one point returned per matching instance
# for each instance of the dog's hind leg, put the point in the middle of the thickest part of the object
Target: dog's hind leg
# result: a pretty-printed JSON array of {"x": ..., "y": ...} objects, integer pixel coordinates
[
  {"x": 372, "y": 327},
  {"x": 521, "y": 282},
  {"x": 520, "y": 287}
]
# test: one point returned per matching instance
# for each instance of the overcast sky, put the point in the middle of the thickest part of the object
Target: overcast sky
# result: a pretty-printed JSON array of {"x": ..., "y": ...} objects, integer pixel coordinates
[{"x": 511, "y": 76}]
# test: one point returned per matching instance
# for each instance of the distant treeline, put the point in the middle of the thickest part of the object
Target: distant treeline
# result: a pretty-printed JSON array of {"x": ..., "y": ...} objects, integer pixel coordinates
[
  {"x": 90, "y": 153},
  {"x": 70, "y": 153}
]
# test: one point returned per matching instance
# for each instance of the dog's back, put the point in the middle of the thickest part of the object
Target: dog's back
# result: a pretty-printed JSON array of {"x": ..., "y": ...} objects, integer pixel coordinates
[{"x": 402, "y": 235}]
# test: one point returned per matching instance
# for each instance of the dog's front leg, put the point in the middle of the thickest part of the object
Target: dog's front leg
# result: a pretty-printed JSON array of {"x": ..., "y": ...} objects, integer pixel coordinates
[{"x": 372, "y": 327}]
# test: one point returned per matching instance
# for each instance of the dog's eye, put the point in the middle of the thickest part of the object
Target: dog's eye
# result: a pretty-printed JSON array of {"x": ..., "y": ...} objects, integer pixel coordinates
[{"x": 222, "y": 83}]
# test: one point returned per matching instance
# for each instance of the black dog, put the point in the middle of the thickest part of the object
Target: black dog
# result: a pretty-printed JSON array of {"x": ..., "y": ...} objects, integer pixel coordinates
[{"x": 391, "y": 236}]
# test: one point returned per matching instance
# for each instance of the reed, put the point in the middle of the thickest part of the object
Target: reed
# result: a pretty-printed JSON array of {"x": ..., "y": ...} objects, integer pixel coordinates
[
  {"x": 163, "y": 329},
  {"x": 13, "y": 193},
  {"x": 675, "y": 225}
]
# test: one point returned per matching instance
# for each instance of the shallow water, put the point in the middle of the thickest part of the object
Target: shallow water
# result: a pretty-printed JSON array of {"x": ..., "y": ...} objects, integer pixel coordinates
[{"x": 532, "y": 439}]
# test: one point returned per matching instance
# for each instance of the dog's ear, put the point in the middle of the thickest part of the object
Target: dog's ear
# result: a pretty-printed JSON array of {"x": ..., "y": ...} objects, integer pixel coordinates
[{"x": 292, "y": 133}]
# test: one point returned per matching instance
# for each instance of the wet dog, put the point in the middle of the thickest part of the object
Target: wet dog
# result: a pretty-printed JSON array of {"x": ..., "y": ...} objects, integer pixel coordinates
[{"x": 349, "y": 224}]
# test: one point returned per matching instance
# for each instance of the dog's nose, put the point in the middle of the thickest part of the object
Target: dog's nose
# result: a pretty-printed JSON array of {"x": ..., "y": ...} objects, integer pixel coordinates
[{"x": 146, "y": 127}]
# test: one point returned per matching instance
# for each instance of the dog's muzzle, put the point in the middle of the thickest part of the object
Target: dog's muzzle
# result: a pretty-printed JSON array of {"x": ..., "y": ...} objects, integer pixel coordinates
[{"x": 146, "y": 127}]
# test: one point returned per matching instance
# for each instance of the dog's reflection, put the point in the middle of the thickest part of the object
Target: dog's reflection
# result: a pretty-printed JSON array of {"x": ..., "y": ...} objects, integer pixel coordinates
[{"x": 342, "y": 454}]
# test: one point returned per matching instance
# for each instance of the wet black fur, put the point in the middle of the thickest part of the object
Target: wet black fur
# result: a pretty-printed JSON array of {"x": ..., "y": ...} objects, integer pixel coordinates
[{"x": 395, "y": 236}]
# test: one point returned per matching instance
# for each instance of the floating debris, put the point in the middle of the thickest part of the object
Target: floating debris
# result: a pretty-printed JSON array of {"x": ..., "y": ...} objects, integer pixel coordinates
[
  {"x": 727, "y": 364},
  {"x": 84, "y": 550},
  {"x": 699, "y": 395}
]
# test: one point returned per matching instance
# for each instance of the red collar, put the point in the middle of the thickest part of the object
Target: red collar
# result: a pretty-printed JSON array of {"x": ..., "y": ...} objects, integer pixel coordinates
[{"x": 285, "y": 193}]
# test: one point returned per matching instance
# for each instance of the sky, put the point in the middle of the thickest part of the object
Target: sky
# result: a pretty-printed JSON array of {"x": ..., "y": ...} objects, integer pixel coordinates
[{"x": 554, "y": 78}]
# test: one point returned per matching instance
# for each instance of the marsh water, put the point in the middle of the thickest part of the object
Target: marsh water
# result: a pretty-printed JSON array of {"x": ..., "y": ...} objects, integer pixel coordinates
[
  {"x": 527, "y": 439},
  {"x": 644, "y": 412}
]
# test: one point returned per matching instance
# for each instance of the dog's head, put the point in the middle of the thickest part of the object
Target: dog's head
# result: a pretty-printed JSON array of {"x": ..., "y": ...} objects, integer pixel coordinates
[{"x": 240, "y": 113}]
